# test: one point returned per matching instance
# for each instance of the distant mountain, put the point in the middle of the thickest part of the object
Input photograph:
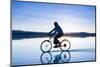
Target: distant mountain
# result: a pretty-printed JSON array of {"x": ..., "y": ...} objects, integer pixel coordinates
[
  {"x": 80, "y": 34},
  {"x": 19, "y": 34}
]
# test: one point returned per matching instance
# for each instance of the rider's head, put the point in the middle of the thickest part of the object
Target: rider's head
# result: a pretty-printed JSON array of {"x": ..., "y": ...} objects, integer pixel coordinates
[{"x": 55, "y": 23}]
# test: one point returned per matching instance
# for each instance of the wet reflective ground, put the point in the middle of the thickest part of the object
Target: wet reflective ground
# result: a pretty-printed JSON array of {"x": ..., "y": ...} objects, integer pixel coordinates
[{"x": 27, "y": 51}]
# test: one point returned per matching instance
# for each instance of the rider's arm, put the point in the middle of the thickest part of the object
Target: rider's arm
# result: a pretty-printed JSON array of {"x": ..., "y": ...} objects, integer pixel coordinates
[{"x": 51, "y": 31}]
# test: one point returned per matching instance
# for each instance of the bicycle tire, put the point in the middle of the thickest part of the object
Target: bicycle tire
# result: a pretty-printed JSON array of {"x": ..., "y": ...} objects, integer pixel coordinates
[
  {"x": 42, "y": 45},
  {"x": 68, "y": 47}
]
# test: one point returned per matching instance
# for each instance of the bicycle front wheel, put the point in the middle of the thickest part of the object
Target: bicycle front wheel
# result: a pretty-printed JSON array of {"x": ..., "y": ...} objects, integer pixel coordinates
[
  {"x": 65, "y": 45},
  {"x": 46, "y": 46}
]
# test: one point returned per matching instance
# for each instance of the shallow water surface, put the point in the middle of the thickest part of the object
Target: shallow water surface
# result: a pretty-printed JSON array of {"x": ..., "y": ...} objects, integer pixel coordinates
[{"x": 27, "y": 51}]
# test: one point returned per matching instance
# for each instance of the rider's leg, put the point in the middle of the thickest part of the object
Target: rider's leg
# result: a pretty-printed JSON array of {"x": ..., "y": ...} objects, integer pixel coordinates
[
  {"x": 56, "y": 41},
  {"x": 58, "y": 36}
]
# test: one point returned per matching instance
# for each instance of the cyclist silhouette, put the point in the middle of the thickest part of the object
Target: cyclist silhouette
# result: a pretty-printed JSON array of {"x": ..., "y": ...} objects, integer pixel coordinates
[{"x": 57, "y": 32}]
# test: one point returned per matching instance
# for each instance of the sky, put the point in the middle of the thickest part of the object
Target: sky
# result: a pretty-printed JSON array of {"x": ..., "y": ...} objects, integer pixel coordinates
[{"x": 40, "y": 17}]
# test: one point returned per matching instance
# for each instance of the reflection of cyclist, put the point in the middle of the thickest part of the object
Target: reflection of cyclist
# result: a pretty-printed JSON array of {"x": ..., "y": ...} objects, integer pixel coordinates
[
  {"x": 58, "y": 32},
  {"x": 57, "y": 59}
]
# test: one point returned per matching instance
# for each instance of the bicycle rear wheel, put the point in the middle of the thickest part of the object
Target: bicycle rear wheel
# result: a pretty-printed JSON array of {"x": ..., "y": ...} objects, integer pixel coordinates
[
  {"x": 65, "y": 45},
  {"x": 65, "y": 56},
  {"x": 46, "y": 46}
]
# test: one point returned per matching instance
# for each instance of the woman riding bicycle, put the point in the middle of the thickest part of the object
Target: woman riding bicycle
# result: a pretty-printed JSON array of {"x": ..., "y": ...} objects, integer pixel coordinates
[{"x": 57, "y": 32}]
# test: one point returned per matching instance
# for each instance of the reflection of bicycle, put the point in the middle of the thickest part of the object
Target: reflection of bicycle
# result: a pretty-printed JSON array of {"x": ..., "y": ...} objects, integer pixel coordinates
[
  {"x": 48, "y": 58},
  {"x": 46, "y": 45}
]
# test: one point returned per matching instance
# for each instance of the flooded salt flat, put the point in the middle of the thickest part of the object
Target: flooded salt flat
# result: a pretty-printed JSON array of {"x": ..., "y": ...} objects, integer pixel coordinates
[{"x": 27, "y": 51}]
